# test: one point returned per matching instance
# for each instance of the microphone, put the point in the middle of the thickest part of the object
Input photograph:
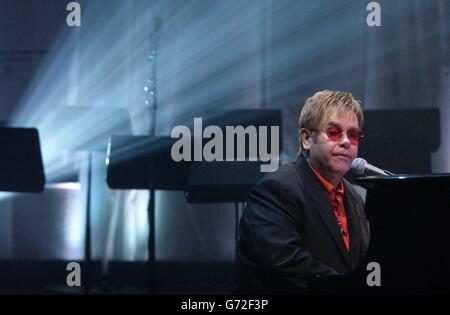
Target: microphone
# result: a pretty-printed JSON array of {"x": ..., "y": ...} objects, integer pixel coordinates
[{"x": 360, "y": 167}]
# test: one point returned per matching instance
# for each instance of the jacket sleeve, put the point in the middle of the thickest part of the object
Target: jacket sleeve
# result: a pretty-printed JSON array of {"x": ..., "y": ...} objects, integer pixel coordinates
[{"x": 271, "y": 228}]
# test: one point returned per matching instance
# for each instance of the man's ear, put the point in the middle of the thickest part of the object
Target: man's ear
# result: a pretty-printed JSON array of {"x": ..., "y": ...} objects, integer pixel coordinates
[{"x": 305, "y": 138}]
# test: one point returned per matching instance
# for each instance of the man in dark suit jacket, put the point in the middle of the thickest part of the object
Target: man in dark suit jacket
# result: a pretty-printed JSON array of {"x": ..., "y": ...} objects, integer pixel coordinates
[{"x": 305, "y": 220}]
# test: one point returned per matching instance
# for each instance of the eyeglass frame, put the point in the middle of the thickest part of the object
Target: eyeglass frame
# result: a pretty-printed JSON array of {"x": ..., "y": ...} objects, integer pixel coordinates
[{"x": 361, "y": 136}]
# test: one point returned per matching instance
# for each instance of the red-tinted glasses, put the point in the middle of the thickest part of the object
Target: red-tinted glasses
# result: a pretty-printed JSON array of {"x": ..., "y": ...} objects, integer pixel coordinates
[{"x": 335, "y": 134}]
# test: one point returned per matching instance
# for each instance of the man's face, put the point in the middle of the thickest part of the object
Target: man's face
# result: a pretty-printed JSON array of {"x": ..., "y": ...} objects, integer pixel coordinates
[{"x": 333, "y": 156}]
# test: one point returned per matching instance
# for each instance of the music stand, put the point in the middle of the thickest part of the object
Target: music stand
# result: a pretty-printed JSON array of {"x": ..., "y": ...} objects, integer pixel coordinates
[
  {"x": 386, "y": 142},
  {"x": 232, "y": 181},
  {"x": 145, "y": 162},
  {"x": 99, "y": 122},
  {"x": 21, "y": 160},
  {"x": 223, "y": 182}
]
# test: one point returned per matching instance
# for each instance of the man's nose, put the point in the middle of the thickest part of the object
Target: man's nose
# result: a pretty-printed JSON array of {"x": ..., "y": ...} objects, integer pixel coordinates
[{"x": 345, "y": 141}]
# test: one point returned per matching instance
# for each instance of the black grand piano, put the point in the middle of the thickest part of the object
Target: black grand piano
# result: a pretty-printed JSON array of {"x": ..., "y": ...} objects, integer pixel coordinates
[{"x": 409, "y": 218}]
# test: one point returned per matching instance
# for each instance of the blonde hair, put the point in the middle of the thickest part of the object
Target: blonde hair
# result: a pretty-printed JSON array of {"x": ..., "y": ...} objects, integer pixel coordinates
[{"x": 324, "y": 103}]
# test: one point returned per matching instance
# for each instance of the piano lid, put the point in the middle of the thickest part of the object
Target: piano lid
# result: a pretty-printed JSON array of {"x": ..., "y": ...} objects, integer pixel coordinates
[{"x": 379, "y": 181}]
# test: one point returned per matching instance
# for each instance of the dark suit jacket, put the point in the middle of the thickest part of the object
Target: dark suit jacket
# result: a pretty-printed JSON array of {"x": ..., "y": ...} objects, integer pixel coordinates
[{"x": 289, "y": 233}]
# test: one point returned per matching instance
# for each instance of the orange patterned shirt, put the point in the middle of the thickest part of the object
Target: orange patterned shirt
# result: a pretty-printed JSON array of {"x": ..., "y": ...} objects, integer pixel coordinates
[{"x": 336, "y": 198}]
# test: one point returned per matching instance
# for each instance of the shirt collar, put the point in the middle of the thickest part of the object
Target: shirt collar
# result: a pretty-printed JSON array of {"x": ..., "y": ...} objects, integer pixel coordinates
[{"x": 326, "y": 184}]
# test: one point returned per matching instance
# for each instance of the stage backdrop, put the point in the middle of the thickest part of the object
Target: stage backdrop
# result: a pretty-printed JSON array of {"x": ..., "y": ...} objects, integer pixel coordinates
[{"x": 186, "y": 57}]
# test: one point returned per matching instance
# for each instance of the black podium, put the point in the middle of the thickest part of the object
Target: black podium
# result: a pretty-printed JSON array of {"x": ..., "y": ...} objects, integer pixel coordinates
[{"x": 409, "y": 219}]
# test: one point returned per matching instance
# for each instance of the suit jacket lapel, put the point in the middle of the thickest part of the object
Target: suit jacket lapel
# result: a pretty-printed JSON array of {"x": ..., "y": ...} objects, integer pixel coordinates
[
  {"x": 353, "y": 224},
  {"x": 322, "y": 204}
]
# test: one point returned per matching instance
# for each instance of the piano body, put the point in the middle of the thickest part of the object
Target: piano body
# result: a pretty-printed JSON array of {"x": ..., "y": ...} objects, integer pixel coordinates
[{"x": 409, "y": 219}]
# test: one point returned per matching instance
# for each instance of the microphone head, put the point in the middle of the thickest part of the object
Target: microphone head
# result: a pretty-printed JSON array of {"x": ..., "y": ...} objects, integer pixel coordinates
[{"x": 359, "y": 166}]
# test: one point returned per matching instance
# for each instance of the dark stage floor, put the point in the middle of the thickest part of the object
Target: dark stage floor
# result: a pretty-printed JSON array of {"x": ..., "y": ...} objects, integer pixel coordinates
[{"x": 49, "y": 277}]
